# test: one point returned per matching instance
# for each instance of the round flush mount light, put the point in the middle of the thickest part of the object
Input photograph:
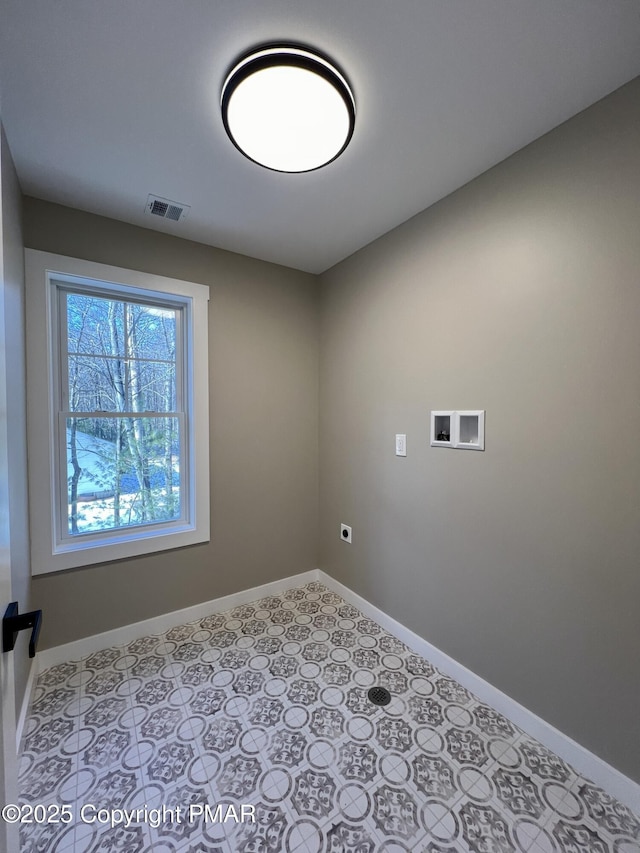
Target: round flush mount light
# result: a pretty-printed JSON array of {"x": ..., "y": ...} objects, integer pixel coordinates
[{"x": 288, "y": 109}]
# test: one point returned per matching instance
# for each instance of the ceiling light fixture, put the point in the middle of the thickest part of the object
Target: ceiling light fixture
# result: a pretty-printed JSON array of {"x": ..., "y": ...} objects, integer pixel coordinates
[{"x": 288, "y": 109}]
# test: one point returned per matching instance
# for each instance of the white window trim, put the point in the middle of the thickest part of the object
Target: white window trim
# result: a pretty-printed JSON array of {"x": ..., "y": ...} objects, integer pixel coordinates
[{"x": 48, "y": 554}]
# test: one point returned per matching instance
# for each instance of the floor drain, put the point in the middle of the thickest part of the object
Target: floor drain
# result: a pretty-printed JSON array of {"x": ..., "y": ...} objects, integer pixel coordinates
[{"x": 379, "y": 695}]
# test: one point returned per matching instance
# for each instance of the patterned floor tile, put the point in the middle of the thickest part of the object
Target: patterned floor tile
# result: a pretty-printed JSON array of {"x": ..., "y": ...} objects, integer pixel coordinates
[{"x": 262, "y": 711}]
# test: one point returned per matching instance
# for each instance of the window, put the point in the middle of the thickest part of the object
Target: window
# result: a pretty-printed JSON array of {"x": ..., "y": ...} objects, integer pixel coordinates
[
  {"x": 118, "y": 412},
  {"x": 121, "y": 416}
]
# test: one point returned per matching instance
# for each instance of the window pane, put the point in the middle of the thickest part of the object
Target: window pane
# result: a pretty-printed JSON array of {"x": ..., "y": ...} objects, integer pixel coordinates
[
  {"x": 95, "y": 325},
  {"x": 151, "y": 332},
  {"x": 121, "y": 355},
  {"x": 122, "y": 472},
  {"x": 152, "y": 386},
  {"x": 97, "y": 384}
]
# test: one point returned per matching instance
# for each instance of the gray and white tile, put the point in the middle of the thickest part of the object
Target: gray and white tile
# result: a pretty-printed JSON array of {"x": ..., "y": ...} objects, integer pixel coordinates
[{"x": 266, "y": 705}]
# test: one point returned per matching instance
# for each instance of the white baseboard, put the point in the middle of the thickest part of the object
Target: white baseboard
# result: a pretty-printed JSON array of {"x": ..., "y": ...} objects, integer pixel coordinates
[
  {"x": 159, "y": 624},
  {"x": 580, "y": 758},
  {"x": 584, "y": 761}
]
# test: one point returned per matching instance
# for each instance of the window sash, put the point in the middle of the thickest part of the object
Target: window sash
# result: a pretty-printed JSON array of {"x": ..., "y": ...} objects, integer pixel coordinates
[
  {"x": 119, "y": 293},
  {"x": 60, "y": 320}
]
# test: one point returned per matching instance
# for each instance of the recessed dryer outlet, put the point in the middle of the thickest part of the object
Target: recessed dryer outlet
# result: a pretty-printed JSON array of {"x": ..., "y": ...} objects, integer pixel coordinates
[{"x": 345, "y": 533}]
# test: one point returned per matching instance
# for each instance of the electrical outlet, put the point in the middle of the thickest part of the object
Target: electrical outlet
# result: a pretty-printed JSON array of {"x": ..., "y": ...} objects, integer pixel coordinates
[
  {"x": 401, "y": 445},
  {"x": 345, "y": 533}
]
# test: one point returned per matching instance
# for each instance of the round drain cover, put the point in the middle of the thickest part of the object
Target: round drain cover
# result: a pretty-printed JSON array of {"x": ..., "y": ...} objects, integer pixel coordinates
[{"x": 379, "y": 695}]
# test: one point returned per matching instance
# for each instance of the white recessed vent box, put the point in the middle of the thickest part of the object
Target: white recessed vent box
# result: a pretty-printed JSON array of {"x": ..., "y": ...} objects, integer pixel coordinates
[{"x": 460, "y": 430}]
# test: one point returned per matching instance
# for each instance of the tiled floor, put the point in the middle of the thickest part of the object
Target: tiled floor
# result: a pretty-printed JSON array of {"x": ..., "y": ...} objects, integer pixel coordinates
[{"x": 266, "y": 705}]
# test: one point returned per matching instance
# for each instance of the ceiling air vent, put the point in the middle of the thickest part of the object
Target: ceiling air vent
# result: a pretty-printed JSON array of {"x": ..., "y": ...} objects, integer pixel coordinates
[{"x": 167, "y": 209}]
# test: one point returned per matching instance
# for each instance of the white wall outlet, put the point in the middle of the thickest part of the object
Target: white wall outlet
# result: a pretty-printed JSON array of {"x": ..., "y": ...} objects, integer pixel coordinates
[
  {"x": 401, "y": 445},
  {"x": 345, "y": 533}
]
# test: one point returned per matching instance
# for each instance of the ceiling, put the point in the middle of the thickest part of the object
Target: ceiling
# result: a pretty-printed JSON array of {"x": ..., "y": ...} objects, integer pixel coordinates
[{"x": 106, "y": 102}]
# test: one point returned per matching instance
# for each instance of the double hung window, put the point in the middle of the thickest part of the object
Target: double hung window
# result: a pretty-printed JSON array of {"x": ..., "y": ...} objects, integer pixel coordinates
[
  {"x": 123, "y": 409},
  {"x": 121, "y": 421}
]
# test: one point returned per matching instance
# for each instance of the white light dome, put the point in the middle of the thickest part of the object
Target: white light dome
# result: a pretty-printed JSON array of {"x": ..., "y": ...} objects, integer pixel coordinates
[{"x": 288, "y": 109}]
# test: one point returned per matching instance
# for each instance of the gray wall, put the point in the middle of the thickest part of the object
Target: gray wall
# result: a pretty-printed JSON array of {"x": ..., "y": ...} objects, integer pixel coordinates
[
  {"x": 14, "y": 343},
  {"x": 263, "y": 343},
  {"x": 519, "y": 294}
]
